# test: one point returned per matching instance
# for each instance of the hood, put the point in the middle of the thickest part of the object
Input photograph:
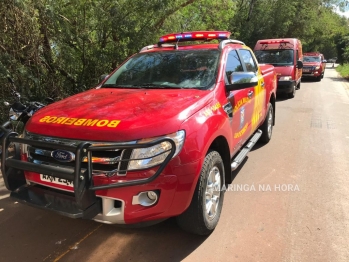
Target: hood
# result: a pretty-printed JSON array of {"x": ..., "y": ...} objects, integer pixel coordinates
[
  {"x": 284, "y": 71},
  {"x": 110, "y": 114},
  {"x": 311, "y": 63}
]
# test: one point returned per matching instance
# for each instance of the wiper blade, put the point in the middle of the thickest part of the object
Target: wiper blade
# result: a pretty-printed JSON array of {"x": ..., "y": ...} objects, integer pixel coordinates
[
  {"x": 158, "y": 86},
  {"x": 146, "y": 85},
  {"x": 119, "y": 86}
]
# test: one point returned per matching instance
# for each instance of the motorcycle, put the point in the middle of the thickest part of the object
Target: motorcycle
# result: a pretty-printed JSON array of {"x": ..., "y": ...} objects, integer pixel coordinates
[{"x": 20, "y": 112}]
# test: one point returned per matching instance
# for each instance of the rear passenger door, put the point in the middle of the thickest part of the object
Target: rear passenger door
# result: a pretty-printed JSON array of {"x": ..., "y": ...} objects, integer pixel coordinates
[{"x": 240, "y": 100}]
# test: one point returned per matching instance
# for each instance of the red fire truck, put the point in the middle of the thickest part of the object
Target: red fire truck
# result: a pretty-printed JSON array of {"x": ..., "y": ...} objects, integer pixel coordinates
[
  {"x": 286, "y": 56},
  {"x": 159, "y": 137}
]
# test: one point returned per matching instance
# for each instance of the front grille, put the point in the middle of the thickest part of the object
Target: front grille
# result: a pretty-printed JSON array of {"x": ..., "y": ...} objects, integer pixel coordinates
[{"x": 108, "y": 162}]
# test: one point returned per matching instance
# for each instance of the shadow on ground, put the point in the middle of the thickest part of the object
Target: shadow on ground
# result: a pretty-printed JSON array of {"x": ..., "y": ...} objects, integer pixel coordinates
[{"x": 44, "y": 236}]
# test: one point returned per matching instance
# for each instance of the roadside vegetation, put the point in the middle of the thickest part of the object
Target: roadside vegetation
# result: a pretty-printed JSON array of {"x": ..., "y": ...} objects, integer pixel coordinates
[
  {"x": 343, "y": 70},
  {"x": 57, "y": 48}
]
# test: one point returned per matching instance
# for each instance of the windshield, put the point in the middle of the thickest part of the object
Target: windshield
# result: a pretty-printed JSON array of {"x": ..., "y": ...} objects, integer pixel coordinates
[
  {"x": 311, "y": 59},
  {"x": 276, "y": 57},
  {"x": 168, "y": 69}
]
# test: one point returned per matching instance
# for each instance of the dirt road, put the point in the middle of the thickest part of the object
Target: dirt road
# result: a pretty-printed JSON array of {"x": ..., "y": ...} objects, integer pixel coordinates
[{"x": 289, "y": 201}]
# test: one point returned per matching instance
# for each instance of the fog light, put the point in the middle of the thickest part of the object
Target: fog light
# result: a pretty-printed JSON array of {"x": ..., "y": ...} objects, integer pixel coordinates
[
  {"x": 152, "y": 195},
  {"x": 146, "y": 198}
]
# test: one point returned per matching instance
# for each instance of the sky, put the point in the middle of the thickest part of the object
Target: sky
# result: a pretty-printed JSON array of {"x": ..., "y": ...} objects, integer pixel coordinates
[{"x": 346, "y": 13}]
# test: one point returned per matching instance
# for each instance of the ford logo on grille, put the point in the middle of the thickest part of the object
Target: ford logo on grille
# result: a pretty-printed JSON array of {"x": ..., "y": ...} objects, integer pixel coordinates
[{"x": 63, "y": 156}]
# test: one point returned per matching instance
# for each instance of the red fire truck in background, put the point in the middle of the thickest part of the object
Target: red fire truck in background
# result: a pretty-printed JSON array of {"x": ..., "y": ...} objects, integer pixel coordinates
[
  {"x": 286, "y": 56},
  {"x": 314, "y": 65}
]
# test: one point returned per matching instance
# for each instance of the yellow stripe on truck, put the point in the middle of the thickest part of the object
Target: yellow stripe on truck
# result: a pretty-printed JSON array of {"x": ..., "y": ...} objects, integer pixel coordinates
[
  {"x": 79, "y": 121},
  {"x": 258, "y": 104}
]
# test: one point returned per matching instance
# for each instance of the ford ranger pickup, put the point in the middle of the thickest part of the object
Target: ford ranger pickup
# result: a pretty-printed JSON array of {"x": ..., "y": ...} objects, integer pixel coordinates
[{"x": 159, "y": 137}]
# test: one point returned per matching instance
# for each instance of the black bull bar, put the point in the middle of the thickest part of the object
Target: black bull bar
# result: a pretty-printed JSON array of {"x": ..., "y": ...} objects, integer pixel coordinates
[{"x": 83, "y": 202}]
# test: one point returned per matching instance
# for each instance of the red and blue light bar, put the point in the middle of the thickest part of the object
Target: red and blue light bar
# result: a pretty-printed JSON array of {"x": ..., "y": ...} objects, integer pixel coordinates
[{"x": 194, "y": 36}]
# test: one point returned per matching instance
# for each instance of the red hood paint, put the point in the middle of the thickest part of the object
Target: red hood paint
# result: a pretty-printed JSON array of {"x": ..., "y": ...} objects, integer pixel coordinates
[
  {"x": 284, "y": 71},
  {"x": 312, "y": 63},
  {"x": 142, "y": 113}
]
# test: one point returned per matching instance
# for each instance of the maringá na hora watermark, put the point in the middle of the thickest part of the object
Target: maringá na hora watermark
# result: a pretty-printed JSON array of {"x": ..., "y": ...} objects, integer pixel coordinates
[{"x": 261, "y": 187}]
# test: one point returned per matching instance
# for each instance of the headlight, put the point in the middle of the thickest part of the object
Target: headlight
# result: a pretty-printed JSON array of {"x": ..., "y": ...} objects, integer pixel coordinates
[
  {"x": 155, "y": 155},
  {"x": 318, "y": 67},
  {"x": 285, "y": 78}
]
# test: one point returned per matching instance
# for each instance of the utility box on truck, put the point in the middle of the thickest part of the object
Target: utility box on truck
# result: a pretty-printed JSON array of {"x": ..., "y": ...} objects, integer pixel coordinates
[
  {"x": 158, "y": 138},
  {"x": 286, "y": 56}
]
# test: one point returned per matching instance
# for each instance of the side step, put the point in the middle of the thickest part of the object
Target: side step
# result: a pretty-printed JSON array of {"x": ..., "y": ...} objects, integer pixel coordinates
[{"x": 243, "y": 153}]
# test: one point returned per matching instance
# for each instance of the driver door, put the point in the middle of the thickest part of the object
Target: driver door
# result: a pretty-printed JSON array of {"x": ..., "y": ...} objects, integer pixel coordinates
[{"x": 242, "y": 101}]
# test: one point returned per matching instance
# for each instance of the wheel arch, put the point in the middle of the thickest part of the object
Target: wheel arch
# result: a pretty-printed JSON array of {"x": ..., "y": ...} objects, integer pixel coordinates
[{"x": 220, "y": 144}]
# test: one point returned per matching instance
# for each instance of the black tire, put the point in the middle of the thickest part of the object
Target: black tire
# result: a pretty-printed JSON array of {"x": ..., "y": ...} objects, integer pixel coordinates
[
  {"x": 267, "y": 126},
  {"x": 318, "y": 79},
  {"x": 298, "y": 86},
  {"x": 293, "y": 93},
  {"x": 196, "y": 219}
]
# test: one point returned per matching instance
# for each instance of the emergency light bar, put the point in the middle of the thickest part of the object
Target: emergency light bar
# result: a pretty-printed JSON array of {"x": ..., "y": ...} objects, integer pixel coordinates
[
  {"x": 274, "y": 42},
  {"x": 194, "y": 36},
  {"x": 311, "y": 54}
]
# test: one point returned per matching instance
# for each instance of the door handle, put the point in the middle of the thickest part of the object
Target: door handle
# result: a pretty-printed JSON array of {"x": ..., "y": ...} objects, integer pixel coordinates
[{"x": 250, "y": 94}]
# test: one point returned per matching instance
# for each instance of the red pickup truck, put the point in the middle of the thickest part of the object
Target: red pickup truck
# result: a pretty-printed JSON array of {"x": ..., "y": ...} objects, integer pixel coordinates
[
  {"x": 314, "y": 65},
  {"x": 157, "y": 138}
]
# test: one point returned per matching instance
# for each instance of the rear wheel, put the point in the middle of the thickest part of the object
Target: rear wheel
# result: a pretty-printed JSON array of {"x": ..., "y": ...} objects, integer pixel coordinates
[
  {"x": 205, "y": 208},
  {"x": 267, "y": 126}
]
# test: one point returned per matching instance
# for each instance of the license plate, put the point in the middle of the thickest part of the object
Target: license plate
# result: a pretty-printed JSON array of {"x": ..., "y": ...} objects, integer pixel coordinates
[
  {"x": 306, "y": 70},
  {"x": 56, "y": 180}
]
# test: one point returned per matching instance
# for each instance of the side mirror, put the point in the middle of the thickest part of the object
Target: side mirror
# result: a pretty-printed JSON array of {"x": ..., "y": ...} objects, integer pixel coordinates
[
  {"x": 299, "y": 64},
  {"x": 102, "y": 77},
  {"x": 241, "y": 80}
]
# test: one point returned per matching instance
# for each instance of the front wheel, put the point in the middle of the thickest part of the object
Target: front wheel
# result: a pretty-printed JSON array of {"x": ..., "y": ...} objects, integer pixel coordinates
[
  {"x": 293, "y": 92},
  {"x": 205, "y": 208},
  {"x": 298, "y": 86}
]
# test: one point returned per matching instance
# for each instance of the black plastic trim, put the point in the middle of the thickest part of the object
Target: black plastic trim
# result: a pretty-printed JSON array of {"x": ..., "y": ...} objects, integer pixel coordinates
[
  {"x": 82, "y": 178},
  {"x": 57, "y": 202}
]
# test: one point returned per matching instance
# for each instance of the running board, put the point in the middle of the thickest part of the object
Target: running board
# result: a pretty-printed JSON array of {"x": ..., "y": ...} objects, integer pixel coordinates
[{"x": 243, "y": 153}]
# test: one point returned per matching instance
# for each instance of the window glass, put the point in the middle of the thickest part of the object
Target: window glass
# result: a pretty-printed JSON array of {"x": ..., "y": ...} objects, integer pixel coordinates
[
  {"x": 233, "y": 65},
  {"x": 168, "y": 69},
  {"x": 312, "y": 59},
  {"x": 249, "y": 61},
  {"x": 278, "y": 57}
]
